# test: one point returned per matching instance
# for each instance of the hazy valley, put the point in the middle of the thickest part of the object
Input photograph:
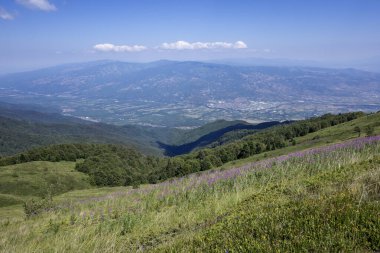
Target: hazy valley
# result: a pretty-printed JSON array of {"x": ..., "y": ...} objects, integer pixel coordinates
[{"x": 190, "y": 94}]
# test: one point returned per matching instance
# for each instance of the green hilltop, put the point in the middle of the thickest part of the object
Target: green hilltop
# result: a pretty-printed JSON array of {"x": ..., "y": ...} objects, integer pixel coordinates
[{"x": 38, "y": 179}]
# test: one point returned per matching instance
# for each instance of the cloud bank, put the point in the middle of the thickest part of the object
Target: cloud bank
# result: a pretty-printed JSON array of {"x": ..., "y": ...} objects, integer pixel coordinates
[
  {"x": 178, "y": 45},
  {"x": 42, "y": 5},
  {"x": 122, "y": 48},
  {"x": 183, "y": 45},
  {"x": 5, "y": 15}
]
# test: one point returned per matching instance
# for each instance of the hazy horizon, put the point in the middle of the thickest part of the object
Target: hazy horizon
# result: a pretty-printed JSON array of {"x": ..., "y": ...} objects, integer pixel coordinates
[
  {"x": 371, "y": 65},
  {"x": 44, "y": 33}
]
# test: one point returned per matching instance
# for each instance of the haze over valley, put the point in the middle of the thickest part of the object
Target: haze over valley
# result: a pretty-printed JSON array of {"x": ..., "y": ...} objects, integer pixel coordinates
[{"x": 189, "y": 94}]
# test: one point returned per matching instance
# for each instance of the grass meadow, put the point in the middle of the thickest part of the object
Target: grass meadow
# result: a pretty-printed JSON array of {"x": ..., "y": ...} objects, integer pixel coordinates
[{"x": 322, "y": 199}]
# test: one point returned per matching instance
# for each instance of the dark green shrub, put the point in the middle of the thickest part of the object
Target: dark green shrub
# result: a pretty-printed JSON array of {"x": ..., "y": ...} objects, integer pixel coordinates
[{"x": 34, "y": 207}]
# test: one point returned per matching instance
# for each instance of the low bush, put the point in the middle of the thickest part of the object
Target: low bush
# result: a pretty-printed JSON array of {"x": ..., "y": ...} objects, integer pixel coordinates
[{"x": 34, "y": 207}]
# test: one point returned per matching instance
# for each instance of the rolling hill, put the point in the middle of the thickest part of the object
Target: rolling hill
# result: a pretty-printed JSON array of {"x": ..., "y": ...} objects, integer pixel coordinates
[
  {"x": 20, "y": 135},
  {"x": 26, "y": 126},
  {"x": 116, "y": 165},
  {"x": 39, "y": 179},
  {"x": 320, "y": 193}
]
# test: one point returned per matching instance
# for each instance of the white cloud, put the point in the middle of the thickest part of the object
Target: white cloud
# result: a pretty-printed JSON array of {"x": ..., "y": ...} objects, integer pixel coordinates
[
  {"x": 42, "y": 5},
  {"x": 5, "y": 15},
  {"x": 122, "y": 48},
  {"x": 240, "y": 44},
  {"x": 178, "y": 45},
  {"x": 183, "y": 45}
]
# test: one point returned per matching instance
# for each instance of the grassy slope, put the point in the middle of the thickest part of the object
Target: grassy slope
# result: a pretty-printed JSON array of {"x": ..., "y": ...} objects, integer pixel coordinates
[
  {"x": 333, "y": 210},
  {"x": 334, "y": 134},
  {"x": 184, "y": 216},
  {"x": 36, "y": 179},
  {"x": 188, "y": 216}
]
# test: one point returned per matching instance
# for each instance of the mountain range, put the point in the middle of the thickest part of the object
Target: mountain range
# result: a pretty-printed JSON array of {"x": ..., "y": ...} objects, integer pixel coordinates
[{"x": 190, "y": 94}]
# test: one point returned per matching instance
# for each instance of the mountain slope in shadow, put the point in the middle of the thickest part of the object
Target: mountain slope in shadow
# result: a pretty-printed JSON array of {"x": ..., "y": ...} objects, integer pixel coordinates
[{"x": 174, "y": 150}]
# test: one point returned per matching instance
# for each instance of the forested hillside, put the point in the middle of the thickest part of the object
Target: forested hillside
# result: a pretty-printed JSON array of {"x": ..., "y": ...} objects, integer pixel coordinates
[
  {"x": 23, "y": 127},
  {"x": 213, "y": 137},
  {"x": 115, "y": 165}
]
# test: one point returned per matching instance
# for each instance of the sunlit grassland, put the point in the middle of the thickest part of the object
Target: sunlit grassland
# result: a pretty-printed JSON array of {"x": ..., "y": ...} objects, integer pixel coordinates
[
  {"x": 338, "y": 133},
  {"x": 215, "y": 210},
  {"x": 37, "y": 179},
  {"x": 321, "y": 206}
]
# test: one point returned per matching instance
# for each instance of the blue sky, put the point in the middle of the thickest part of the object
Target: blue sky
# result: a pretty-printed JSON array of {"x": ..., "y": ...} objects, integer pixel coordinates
[{"x": 36, "y": 33}]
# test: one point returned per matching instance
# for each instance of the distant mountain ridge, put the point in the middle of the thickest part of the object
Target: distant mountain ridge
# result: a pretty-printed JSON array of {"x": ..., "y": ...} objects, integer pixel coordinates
[
  {"x": 190, "y": 94},
  {"x": 368, "y": 64}
]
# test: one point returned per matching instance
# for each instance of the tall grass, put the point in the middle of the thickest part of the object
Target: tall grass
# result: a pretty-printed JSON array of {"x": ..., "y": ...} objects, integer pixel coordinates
[{"x": 220, "y": 210}]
